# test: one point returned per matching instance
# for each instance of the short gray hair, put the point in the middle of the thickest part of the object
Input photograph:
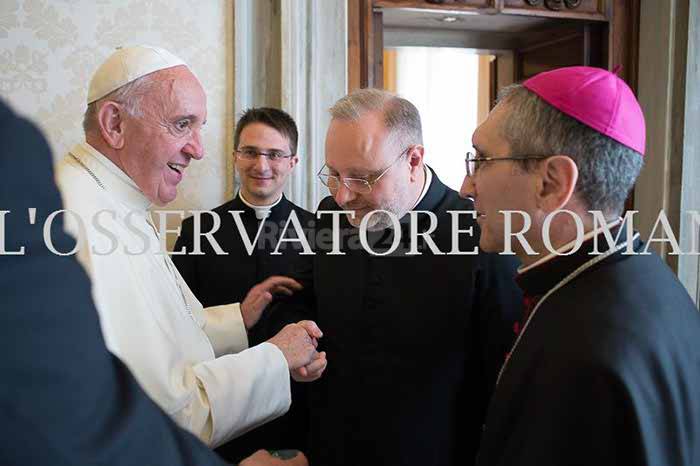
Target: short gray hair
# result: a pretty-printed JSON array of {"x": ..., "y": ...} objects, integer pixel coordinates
[
  {"x": 129, "y": 95},
  {"x": 401, "y": 117},
  {"x": 607, "y": 168}
]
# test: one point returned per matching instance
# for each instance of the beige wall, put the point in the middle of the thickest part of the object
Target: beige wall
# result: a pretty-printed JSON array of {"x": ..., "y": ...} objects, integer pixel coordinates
[{"x": 50, "y": 48}]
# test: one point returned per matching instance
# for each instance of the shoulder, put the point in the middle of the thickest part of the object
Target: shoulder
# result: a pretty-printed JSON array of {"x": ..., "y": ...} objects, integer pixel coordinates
[
  {"x": 617, "y": 318},
  {"x": 224, "y": 208},
  {"x": 79, "y": 191},
  {"x": 206, "y": 217},
  {"x": 303, "y": 214},
  {"x": 451, "y": 201}
]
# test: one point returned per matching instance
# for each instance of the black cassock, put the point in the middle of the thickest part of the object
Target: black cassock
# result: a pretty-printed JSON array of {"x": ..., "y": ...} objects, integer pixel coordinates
[
  {"x": 606, "y": 372},
  {"x": 222, "y": 279},
  {"x": 414, "y": 342}
]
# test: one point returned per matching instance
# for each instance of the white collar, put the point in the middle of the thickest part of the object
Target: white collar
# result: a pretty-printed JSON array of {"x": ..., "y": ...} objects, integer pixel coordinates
[
  {"x": 426, "y": 185},
  {"x": 568, "y": 246},
  {"x": 261, "y": 211},
  {"x": 110, "y": 177}
]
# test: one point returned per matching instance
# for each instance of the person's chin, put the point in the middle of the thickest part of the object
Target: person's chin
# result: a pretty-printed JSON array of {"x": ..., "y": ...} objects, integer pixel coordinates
[
  {"x": 165, "y": 196},
  {"x": 372, "y": 224},
  {"x": 260, "y": 192}
]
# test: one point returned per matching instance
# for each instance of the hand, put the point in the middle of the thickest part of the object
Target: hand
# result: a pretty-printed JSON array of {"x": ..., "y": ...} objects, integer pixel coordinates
[
  {"x": 260, "y": 296},
  {"x": 312, "y": 371},
  {"x": 263, "y": 458},
  {"x": 298, "y": 343}
]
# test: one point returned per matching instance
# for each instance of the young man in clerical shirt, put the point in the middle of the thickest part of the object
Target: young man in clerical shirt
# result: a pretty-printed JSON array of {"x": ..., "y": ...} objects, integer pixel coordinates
[{"x": 265, "y": 154}]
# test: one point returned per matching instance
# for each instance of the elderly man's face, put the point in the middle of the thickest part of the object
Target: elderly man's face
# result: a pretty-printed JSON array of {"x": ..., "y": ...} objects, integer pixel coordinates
[
  {"x": 160, "y": 143},
  {"x": 363, "y": 149},
  {"x": 498, "y": 185},
  {"x": 263, "y": 179}
]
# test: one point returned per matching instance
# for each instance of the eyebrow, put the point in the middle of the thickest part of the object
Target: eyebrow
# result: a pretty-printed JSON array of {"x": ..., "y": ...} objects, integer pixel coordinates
[
  {"x": 248, "y": 146},
  {"x": 353, "y": 173},
  {"x": 190, "y": 117}
]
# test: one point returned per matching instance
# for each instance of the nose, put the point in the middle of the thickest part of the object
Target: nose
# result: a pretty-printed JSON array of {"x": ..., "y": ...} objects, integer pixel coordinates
[
  {"x": 468, "y": 188},
  {"x": 194, "y": 147},
  {"x": 343, "y": 195},
  {"x": 262, "y": 163}
]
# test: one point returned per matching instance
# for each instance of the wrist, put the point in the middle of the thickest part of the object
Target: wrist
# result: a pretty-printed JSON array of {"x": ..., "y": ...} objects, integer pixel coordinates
[{"x": 244, "y": 316}]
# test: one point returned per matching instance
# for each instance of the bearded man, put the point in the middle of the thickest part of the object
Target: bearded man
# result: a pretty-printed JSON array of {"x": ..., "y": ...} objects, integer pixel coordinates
[{"x": 416, "y": 335}]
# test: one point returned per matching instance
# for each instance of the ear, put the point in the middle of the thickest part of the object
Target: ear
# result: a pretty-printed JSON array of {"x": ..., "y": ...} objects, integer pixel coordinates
[
  {"x": 293, "y": 161},
  {"x": 559, "y": 175},
  {"x": 415, "y": 160},
  {"x": 110, "y": 118}
]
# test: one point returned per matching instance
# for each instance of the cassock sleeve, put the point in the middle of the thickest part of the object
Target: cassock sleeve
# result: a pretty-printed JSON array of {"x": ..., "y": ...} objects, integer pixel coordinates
[
  {"x": 225, "y": 328},
  {"x": 496, "y": 306},
  {"x": 223, "y": 324},
  {"x": 227, "y": 404},
  {"x": 289, "y": 309},
  {"x": 579, "y": 414},
  {"x": 217, "y": 399}
]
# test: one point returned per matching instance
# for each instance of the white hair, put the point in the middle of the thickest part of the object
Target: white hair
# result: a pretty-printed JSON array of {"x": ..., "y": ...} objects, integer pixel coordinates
[{"x": 129, "y": 95}]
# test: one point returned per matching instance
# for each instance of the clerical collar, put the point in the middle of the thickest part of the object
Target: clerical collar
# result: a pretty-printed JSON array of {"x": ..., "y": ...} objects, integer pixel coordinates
[
  {"x": 110, "y": 177},
  {"x": 539, "y": 277},
  {"x": 426, "y": 185},
  {"x": 568, "y": 246},
  {"x": 261, "y": 212}
]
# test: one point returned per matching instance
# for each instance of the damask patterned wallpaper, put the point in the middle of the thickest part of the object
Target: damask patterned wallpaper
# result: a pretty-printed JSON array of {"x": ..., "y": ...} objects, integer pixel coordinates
[{"x": 50, "y": 48}]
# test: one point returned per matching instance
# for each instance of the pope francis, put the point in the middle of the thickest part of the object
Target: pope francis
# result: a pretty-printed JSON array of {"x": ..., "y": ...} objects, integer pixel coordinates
[{"x": 142, "y": 129}]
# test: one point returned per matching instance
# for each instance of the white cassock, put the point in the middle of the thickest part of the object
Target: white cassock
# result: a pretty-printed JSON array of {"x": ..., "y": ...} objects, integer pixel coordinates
[{"x": 192, "y": 361}]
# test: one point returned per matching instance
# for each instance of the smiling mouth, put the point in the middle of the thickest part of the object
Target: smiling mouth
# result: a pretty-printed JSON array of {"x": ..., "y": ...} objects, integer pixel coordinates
[{"x": 176, "y": 167}]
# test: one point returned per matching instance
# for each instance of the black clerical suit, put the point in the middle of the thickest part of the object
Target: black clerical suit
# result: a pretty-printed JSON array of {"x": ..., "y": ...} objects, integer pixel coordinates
[
  {"x": 222, "y": 279},
  {"x": 607, "y": 372},
  {"x": 65, "y": 400},
  {"x": 414, "y": 342}
]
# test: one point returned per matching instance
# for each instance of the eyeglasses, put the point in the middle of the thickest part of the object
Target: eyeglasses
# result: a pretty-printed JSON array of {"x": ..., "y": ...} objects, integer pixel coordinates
[
  {"x": 356, "y": 185},
  {"x": 248, "y": 153},
  {"x": 472, "y": 161}
]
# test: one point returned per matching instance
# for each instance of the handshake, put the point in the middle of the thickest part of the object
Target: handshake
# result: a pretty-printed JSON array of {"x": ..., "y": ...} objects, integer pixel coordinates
[{"x": 298, "y": 342}]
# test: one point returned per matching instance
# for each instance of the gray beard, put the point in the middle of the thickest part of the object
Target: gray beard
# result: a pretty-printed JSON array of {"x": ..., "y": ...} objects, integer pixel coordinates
[{"x": 381, "y": 221}]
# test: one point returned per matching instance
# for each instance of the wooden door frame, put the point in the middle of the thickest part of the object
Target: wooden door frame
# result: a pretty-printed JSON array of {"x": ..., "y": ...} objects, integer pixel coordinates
[
  {"x": 365, "y": 42},
  {"x": 365, "y": 45}
]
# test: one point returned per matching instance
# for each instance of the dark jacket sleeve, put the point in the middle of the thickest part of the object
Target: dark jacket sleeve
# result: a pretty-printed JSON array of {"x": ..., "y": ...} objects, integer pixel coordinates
[
  {"x": 497, "y": 305},
  {"x": 65, "y": 399},
  {"x": 580, "y": 415},
  {"x": 289, "y": 309}
]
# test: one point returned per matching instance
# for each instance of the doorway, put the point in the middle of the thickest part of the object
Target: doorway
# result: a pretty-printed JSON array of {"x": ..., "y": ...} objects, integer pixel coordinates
[
  {"x": 452, "y": 90},
  {"x": 490, "y": 44}
]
